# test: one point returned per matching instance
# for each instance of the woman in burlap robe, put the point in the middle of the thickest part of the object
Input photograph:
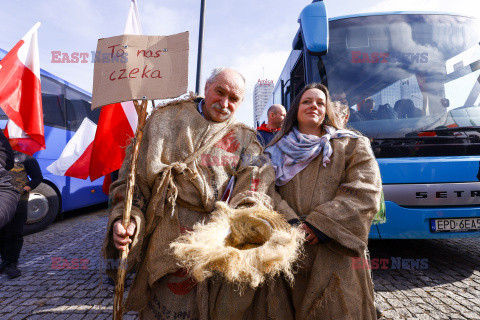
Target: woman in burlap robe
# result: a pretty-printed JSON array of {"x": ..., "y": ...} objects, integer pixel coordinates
[{"x": 327, "y": 181}]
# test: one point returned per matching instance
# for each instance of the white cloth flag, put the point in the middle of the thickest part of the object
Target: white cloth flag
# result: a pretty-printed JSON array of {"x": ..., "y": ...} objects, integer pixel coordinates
[
  {"x": 75, "y": 158},
  {"x": 133, "y": 25}
]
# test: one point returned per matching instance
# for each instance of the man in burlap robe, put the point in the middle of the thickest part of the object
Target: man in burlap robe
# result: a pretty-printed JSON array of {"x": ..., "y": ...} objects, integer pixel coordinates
[{"x": 190, "y": 150}]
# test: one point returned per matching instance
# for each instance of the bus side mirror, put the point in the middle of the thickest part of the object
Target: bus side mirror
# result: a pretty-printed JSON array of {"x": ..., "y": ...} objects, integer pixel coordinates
[{"x": 314, "y": 28}]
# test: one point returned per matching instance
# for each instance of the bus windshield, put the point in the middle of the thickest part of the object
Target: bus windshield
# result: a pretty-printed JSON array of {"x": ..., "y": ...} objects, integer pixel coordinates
[{"x": 403, "y": 74}]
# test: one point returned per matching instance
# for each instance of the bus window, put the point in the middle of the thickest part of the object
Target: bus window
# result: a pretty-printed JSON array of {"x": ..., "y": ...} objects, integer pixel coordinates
[
  {"x": 52, "y": 103},
  {"x": 286, "y": 94},
  {"x": 93, "y": 115},
  {"x": 277, "y": 95},
  {"x": 78, "y": 108},
  {"x": 297, "y": 78}
]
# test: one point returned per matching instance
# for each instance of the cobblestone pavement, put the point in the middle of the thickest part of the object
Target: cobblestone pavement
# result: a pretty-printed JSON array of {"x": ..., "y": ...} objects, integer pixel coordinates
[
  {"x": 62, "y": 279},
  {"x": 444, "y": 283}
]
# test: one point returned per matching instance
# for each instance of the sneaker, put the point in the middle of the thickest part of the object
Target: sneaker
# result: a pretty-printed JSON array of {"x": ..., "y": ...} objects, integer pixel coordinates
[{"x": 12, "y": 271}]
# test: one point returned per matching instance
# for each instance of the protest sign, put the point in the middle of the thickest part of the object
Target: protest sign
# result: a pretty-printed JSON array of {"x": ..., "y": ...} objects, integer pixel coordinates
[{"x": 134, "y": 67}]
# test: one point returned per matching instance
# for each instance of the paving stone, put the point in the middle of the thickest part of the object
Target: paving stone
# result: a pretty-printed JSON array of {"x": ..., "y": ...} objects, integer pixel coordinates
[
  {"x": 415, "y": 310},
  {"x": 18, "y": 317},
  {"x": 7, "y": 308},
  {"x": 395, "y": 302},
  {"x": 28, "y": 309}
]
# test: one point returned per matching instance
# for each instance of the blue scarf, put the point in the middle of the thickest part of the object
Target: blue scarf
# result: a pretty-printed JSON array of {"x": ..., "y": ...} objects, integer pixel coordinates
[{"x": 296, "y": 150}]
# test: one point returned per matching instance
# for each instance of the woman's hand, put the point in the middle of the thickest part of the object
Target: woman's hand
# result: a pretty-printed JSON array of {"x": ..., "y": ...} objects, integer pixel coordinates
[
  {"x": 310, "y": 236},
  {"x": 121, "y": 237}
]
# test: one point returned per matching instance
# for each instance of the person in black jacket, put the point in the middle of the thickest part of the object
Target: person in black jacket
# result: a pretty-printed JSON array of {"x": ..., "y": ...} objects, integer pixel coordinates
[
  {"x": 8, "y": 194},
  {"x": 11, "y": 236}
]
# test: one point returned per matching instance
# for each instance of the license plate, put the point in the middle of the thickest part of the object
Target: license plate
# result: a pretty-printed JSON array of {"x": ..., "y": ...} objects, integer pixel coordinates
[{"x": 455, "y": 225}]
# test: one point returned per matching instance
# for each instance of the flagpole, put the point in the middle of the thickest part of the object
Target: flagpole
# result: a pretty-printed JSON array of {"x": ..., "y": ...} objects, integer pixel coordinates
[
  {"x": 200, "y": 46},
  {"x": 122, "y": 268},
  {"x": 131, "y": 27}
]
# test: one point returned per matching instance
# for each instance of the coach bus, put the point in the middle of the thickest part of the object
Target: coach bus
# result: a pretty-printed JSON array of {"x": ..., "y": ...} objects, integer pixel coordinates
[
  {"x": 64, "y": 108},
  {"x": 422, "y": 71}
]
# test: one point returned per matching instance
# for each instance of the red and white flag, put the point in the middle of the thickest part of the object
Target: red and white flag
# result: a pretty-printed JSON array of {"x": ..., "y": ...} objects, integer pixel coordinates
[
  {"x": 116, "y": 126},
  {"x": 78, "y": 159},
  {"x": 21, "y": 96},
  {"x": 75, "y": 158}
]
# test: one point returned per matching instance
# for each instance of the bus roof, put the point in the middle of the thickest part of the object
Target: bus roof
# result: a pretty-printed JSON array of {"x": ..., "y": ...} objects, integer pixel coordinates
[
  {"x": 298, "y": 41},
  {"x": 396, "y": 12},
  {"x": 45, "y": 73}
]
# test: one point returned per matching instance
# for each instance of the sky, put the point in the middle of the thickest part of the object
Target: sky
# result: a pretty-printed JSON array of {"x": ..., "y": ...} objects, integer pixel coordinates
[{"x": 251, "y": 36}]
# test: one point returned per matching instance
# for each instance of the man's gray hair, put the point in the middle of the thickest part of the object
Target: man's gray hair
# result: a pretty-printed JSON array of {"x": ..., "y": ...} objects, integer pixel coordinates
[{"x": 218, "y": 70}]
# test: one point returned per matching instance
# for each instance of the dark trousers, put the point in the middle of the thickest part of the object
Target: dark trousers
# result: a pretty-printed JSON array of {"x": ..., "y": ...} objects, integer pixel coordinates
[
  {"x": 11, "y": 236},
  {"x": 8, "y": 202}
]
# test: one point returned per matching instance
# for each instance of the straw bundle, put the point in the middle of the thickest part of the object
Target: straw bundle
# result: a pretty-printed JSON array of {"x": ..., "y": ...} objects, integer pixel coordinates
[{"x": 245, "y": 246}]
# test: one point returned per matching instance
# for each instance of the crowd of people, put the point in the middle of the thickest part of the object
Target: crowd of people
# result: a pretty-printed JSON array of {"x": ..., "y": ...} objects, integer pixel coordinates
[
  {"x": 305, "y": 164},
  {"x": 320, "y": 176}
]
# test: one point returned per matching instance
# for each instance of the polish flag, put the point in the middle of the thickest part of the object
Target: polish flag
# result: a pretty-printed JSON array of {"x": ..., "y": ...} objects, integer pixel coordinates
[
  {"x": 20, "y": 94},
  {"x": 75, "y": 158},
  {"x": 78, "y": 159},
  {"x": 116, "y": 126}
]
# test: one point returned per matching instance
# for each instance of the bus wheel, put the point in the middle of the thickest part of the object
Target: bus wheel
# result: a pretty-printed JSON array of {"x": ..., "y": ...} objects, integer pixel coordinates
[{"x": 43, "y": 207}]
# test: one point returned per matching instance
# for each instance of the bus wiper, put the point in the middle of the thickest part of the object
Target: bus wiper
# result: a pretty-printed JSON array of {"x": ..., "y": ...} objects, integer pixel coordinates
[
  {"x": 414, "y": 140},
  {"x": 438, "y": 136},
  {"x": 442, "y": 131}
]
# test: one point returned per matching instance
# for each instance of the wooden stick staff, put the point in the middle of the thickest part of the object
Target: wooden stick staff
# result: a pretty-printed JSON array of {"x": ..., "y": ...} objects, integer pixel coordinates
[{"x": 122, "y": 268}]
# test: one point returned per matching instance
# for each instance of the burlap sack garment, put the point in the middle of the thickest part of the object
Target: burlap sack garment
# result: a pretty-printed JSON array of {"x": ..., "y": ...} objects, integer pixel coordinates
[{"x": 340, "y": 200}]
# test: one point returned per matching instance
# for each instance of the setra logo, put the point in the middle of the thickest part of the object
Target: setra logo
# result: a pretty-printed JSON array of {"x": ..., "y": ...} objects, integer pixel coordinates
[{"x": 448, "y": 195}]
